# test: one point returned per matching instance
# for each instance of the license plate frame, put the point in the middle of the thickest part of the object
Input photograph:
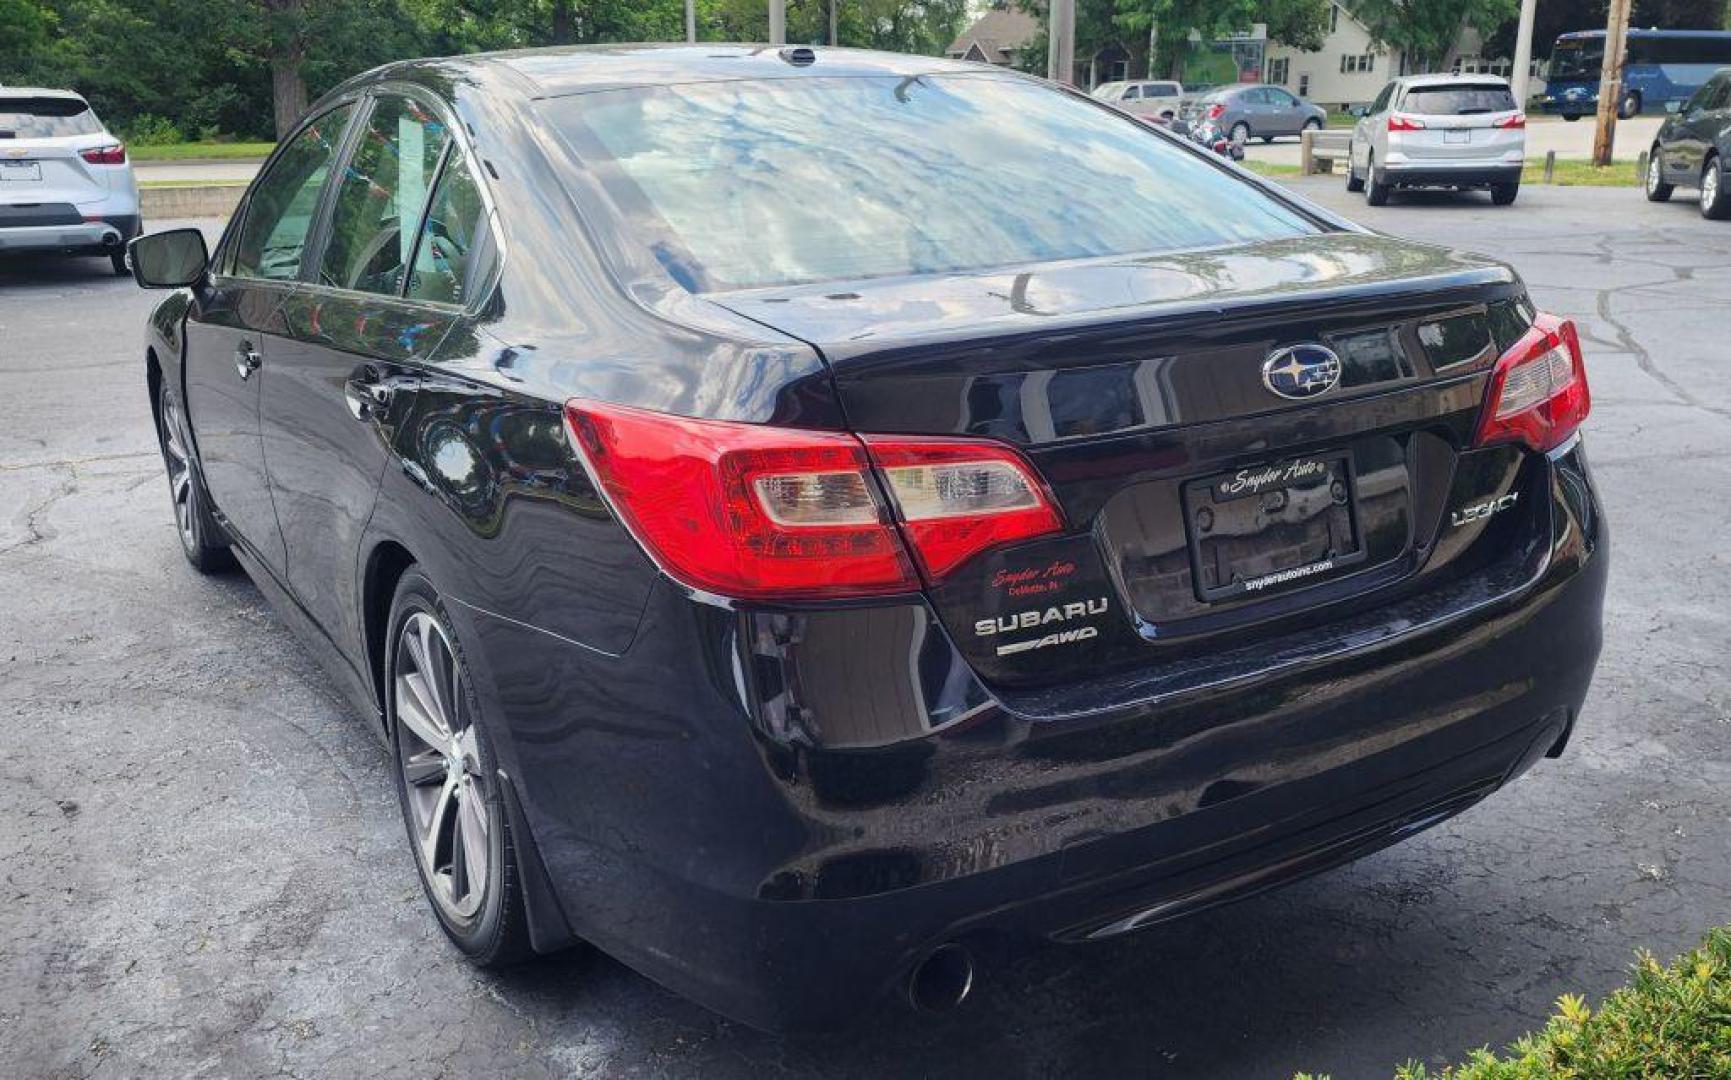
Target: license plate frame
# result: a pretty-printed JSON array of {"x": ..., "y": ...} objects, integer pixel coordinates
[
  {"x": 1458, "y": 136},
  {"x": 1272, "y": 528},
  {"x": 21, "y": 171}
]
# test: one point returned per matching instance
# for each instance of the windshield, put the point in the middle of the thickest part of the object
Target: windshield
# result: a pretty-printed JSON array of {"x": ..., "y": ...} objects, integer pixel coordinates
[
  {"x": 45, "y": 118},
  {"x": 1459, "y": 100},
  {"x": 780, "y": 182},
  {"x": 1578, "y": 59}
]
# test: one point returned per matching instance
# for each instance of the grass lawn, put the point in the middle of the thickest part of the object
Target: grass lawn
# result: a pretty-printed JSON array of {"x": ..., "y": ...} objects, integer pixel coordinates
[
  {"x": 206, "y": 151},
  {"x": 191, "y": 183},
  {"x": 1568, "y": 173}
]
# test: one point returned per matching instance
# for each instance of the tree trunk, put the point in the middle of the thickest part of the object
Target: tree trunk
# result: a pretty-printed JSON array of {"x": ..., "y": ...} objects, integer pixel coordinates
[
  {"x": 562, "y": 34},
  {"x": 288, "y": 90}
]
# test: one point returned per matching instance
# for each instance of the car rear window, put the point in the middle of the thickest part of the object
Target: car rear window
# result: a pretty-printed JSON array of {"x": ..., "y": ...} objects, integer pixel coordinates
[
  {"x": 1458, "y": 100},
  {"x": 45, "y": 118},
  {"x": 777, "y": 182}
]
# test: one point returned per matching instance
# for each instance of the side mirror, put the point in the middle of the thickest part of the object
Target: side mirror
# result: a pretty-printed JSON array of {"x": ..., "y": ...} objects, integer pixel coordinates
[
  {"x": 1359, "y": 111},
  {"x": 169, "y": 260},
  {"x": 1673, "y": 106}
]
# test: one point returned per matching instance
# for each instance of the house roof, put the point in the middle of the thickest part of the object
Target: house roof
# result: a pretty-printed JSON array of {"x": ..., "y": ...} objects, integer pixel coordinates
[{"x": 997, "y": 33}]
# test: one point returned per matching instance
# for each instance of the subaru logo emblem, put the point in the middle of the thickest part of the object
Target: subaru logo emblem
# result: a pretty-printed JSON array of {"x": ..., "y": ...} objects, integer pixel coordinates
[{"x": 1301, "y": 371}]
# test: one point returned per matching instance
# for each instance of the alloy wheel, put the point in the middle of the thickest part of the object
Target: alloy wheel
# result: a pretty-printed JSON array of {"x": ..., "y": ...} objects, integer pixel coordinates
[
  {"x": 174, "y": 456},
  {"x": 1653, "y": 175},
  {"x": 1710, "y": 187},
  {"x": 442, "y": 774}
]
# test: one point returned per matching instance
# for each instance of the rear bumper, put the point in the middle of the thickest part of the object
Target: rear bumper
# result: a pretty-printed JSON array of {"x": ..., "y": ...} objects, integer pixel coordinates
[
  {"x": 720, "y": 842},
  {"x": 103, "y": 236},
  {"x": 1447, "y": 175}
]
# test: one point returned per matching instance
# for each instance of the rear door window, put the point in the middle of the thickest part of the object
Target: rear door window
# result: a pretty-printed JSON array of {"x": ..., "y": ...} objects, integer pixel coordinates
[
  {"x": 46, "y": 118},
  {"x": 1459, "y": 100},
  {"x": 744, "y": 184},
  {"x": 280, "y": 211},
  {"x": 377, "y": 214},
  {"x": 455, "y": 256}
]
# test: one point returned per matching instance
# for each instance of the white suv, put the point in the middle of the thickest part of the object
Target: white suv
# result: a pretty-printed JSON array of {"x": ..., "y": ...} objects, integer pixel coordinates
[
  {"x": 1158, "y": 99},
  {"x": 65, "y": 183},
  {"x": 1457, "y": 131}
]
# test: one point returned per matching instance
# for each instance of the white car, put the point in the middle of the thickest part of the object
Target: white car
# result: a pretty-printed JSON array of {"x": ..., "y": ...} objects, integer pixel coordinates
[
  {"x": 1157, "y": 99},
  {"x": 1455, "y": 131},
  {"x": 65, "y": 183}
]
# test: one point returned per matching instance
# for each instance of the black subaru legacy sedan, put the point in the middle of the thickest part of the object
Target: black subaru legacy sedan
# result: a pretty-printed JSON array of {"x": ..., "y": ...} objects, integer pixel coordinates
[{"x": 794, "y": 513}]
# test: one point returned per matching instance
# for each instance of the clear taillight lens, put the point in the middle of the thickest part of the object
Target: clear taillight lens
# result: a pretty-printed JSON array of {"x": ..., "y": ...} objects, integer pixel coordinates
[{"x": 1538, "y": 391}]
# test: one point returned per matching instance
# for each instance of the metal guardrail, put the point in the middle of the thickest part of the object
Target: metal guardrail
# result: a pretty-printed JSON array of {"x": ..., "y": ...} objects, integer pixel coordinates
[{"x": 1318, "y": 150}]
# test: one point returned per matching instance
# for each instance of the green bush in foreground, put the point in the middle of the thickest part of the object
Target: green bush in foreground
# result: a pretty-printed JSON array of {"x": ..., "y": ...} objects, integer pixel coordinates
[{"x": 1669, "y": 1023}]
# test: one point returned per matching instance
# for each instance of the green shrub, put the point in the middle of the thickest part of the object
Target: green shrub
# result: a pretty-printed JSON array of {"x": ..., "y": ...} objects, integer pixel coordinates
[
  {"x": 147, "y": 129},
  {"x": 1669, "y": 1023}
]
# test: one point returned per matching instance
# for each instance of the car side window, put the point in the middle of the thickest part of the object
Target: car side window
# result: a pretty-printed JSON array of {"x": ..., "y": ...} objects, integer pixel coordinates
[
  {"x": 455, "y": 255},
  {"x": 1281, "y": 98},
  {"x": 377, "y": 213},
  {"x": 280, "y": 211},
  {"x": 1382, "y": 99},
  {"x": 1131, "y": 93}
]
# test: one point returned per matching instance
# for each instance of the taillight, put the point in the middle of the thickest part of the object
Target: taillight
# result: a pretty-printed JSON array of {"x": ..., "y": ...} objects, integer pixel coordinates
[
  {"x": 765, "y": 513},
  {"x": 1216, "y": 110},
  {"x": 957, "y": 497},
  {"x": 1519, "y": 120},
  {"x": 112, "y": 154},
  {"x": 1403, "y": 122},
  {"x": 1538, "y": 390}
]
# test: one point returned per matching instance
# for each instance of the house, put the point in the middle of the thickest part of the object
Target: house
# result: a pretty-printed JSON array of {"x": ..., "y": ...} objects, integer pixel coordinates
[
  {"x": 1348, "y": 70},
  {"x": 995, "y": 37},
  {"x": 1000, "y": 34}
]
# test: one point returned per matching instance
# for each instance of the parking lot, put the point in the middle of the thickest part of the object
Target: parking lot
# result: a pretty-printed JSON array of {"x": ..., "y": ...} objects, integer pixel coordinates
[{"x": 205, "y": 873}]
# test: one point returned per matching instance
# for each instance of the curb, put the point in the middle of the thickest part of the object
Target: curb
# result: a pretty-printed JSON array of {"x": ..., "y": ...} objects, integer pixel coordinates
[{"x": 202, "y": 200}]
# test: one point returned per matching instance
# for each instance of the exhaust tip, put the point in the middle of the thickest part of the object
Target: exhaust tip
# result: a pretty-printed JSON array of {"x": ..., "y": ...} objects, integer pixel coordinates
[{"x": 943, "y": 980}]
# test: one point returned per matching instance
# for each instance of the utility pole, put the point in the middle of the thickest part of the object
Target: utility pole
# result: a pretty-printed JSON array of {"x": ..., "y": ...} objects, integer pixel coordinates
[
  {"x": 832, "y": 4},
  {"x": 1153, "y": 45},
  {"x": 690, "y": 20},
  {"x": 778, "y": 22},
  {"x": 1061, "y": 43},
  {"x": 1523, "y": 52},
  {"x": 1611, "y": 81}
]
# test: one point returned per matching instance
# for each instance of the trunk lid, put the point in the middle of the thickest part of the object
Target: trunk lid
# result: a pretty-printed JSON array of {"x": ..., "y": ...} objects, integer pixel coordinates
[{"x": 1197, "y": 499}]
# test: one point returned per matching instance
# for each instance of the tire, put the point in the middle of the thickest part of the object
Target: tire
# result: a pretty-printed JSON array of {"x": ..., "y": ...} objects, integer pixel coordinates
[
  {"x": 1375, "y": 191},
  {"x": 1504, "y": 194},
  {"x": 1266, "y": 139},
  {"x": 1569, "y": 118},
  {"x": 1715, "y": 199},
  {"x": 1240, "y": 133},
  {"x": 1354, "y": 182},
  {"x": 118, "y": 261},
  {"x": 201, "y": 539},
  {"x": 1629, "y": 106},
  {"x": 447, "y": 782},
  {"x": 1313, "y": 124},
  {"x": 1654, "y": 182}
]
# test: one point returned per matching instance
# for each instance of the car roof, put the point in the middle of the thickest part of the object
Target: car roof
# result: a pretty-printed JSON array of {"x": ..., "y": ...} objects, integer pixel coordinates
[
  {"x": 578, "y": 69},
  {"x": 38, "y": 92},
  {"x": 1453, "y": 80}
]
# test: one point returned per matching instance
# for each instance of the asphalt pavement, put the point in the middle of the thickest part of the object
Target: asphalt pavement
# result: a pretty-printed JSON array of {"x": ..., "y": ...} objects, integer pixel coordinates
[{"x": 204, "y": 872}]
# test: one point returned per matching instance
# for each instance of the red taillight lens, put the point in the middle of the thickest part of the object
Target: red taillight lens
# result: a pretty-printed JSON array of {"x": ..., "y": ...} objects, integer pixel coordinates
[
  {"x": 957, "y": 497},
  {"x": 1519, "y": 120},
  {"x": 1403, "y": 122},
  {"x": 1215, "y": 111},
  {"x": 1538, "y": 390},
  {"x": 765, "y": 513},
  {"x": 112, "y": 154}
]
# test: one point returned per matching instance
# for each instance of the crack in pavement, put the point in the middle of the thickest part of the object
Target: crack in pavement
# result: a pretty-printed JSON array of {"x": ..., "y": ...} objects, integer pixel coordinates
[
  {"x": 35, "y": 529},
  {"x": 1644, "y": 359}
]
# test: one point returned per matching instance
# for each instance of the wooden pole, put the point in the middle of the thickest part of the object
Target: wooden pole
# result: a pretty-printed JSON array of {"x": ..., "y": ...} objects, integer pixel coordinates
[
  {"x": 1611, "y": 81},
  {"x": 1061, "y": 43},
  {"x": 1523, "y": 52}
]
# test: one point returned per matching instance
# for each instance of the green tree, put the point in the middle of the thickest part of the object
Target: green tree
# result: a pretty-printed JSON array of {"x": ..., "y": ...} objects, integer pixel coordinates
[
  {"x": 26, "y": 27},
  {"x": 1425, "y": 30}
]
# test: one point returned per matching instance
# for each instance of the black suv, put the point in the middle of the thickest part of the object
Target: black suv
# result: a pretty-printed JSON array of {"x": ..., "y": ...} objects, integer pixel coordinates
[{"x": 1694, "y": 149}]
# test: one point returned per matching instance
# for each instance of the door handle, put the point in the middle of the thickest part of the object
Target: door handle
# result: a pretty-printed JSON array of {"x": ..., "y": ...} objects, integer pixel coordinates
[
  {"x": 246, "y": 359},
  {"x": 366, "y": 397}
]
